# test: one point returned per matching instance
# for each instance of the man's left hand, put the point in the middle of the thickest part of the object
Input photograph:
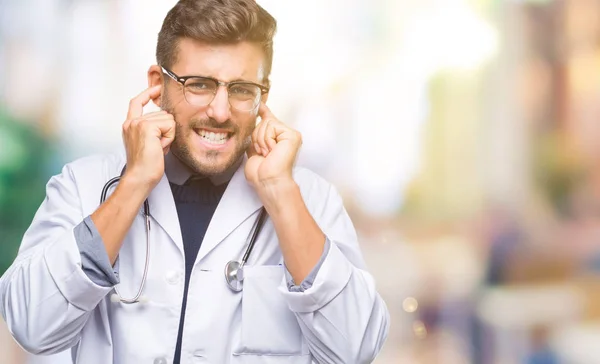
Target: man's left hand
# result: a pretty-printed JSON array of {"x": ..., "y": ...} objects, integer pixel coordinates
[{"x": 273, "y": 152}]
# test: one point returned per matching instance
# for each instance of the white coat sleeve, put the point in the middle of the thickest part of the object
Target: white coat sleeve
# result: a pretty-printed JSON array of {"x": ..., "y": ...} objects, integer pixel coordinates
[
  {"x": 45, "y": 296},
  {"x": 342, "y": 317}
]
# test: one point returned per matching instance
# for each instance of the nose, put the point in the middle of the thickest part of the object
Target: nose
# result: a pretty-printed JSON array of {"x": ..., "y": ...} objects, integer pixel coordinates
[{"x": 219, "y": 108}]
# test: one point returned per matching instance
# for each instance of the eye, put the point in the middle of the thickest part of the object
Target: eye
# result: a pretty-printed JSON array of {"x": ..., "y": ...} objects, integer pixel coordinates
[
  {"x": 200, "y": 85},
  {"x": 241, "y": 89}
]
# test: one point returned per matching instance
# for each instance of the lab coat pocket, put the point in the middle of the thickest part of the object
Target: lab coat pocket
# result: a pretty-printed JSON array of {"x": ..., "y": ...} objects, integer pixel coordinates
[{"x": 268, "y": 326}]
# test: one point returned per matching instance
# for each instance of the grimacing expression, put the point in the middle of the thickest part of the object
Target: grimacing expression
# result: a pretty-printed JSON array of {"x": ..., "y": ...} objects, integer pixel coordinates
[{"x": 210, "y": 139}]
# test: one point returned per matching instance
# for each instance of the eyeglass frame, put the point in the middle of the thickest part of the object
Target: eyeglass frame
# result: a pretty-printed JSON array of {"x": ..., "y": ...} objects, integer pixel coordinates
[{"x": 219, "y": 83}]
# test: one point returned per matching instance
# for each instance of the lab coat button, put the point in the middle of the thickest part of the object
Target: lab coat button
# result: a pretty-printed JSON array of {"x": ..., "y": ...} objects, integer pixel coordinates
[
  {"x": 172, "y": 277},
  {"x": 160, "y": 361},
  {"x": 199, "y": 357}
]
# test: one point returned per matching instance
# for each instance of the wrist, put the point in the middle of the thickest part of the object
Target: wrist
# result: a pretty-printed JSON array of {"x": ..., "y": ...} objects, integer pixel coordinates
[
  {"x": 133, "y": 187},
  {"x": 276, "y": 194}
]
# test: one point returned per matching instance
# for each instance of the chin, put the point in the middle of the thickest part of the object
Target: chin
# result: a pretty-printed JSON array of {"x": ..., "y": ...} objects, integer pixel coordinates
[{"x": 214, "y": 163}]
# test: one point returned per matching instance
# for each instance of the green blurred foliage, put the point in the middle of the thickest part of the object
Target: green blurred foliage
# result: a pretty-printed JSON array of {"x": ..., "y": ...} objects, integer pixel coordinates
[{"x": 26, "y": 159}]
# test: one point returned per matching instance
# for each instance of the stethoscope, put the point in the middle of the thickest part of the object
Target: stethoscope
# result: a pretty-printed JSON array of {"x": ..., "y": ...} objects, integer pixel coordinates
[{"x": 234, "y": 270}]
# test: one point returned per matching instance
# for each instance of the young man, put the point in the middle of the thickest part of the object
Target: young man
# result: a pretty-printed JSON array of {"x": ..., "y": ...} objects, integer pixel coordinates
[{"x": 206, "y": 171}]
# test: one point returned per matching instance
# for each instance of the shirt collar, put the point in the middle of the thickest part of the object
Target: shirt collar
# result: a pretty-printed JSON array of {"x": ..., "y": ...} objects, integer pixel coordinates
[{"x": 178, "y": 173}]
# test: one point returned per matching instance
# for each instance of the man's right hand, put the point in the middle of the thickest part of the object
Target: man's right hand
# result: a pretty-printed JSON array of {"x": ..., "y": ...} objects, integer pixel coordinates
[{"x": 147, "y": 139}]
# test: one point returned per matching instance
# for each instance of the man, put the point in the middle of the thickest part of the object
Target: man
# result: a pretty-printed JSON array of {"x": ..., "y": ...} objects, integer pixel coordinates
[{"x": 206, "y": 171}]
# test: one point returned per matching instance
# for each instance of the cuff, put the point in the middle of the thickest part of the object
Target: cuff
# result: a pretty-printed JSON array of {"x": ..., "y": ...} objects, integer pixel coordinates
[
  {"x": 334, "y": 274},
  {"x": 64, "y": 264},
  {"x": 94, "y": 259},
  {"x": 310, "y": 278}
]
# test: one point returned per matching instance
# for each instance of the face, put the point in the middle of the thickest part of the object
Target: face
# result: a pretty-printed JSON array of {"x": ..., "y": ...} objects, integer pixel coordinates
[{"x": 212, "y": 138}]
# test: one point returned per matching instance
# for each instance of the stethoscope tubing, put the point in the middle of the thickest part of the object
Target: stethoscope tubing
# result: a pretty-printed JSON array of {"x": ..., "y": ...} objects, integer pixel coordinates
[
  {"x": 138, "y": 295},
  {"x": 258, "y": 225},
  {"x": 256, "y": 228}
]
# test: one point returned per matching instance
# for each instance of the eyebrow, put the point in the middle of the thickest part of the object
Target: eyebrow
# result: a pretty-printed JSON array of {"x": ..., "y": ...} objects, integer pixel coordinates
[
  {"x": 234, "y": 80},
  {"x": 243, "y": 80}
]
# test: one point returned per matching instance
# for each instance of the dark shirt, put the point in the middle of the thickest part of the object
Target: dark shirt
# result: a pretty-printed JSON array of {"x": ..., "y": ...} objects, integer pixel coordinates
[{"x": 196, "y": 202}]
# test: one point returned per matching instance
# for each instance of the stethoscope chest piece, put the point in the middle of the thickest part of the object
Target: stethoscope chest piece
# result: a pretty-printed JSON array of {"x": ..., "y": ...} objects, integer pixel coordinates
[
  {"x": 234, "y": 275},
  {"x": 234, "y": 270}
]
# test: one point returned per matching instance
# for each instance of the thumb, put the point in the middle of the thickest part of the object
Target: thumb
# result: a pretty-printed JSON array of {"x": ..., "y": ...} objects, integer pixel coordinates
[{"x": 166, "y": 130}]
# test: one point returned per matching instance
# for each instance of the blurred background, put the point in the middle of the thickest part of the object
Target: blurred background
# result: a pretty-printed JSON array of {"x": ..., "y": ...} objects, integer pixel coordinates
[{"x": 462, "y": 135}]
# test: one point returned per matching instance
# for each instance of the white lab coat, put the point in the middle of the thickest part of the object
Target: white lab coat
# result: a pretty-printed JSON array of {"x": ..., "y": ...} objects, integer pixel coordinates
[{"x": 51, "y": 305}]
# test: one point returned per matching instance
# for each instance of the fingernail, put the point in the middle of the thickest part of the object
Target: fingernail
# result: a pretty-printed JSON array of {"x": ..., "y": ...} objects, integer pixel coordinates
[
  {"x": 257, "y": 148},
  {"x": 265, "y": 152}
]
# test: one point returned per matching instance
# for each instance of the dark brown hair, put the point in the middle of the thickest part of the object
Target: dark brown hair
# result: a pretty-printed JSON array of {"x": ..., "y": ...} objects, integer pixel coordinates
[{"x": 217, "y": 22}]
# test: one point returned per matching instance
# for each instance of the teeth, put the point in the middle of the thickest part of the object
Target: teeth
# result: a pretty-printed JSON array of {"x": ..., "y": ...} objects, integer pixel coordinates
[{"x": 214, "y": 138}]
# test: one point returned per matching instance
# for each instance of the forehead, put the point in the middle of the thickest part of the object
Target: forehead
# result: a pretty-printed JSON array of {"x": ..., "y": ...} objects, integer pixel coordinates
[{"x": 226, "y": 62}]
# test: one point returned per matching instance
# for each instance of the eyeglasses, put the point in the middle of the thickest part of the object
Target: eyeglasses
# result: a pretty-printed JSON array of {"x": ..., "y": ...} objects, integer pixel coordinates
[{"x": 200, "y": 91}]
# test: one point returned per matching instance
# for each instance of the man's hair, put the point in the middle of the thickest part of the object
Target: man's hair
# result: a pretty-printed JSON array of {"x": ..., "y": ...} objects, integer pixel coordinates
[{"x": 216, "y": 22}]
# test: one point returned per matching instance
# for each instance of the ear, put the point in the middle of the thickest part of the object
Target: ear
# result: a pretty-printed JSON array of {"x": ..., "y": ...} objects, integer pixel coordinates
[{"x": 155, "y": 77}]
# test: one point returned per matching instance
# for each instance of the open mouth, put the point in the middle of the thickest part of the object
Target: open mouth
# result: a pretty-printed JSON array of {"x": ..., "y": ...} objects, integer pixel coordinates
[{"x": 212, "y": 137}]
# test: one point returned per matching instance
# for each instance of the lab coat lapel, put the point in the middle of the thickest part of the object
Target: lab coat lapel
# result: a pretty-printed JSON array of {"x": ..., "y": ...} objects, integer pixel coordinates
[
  {"x": 238, "y": 203},
  {"x": 163, "y": 210}
]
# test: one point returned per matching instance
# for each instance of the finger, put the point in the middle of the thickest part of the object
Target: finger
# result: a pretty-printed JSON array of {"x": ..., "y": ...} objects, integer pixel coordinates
[
  {"x": 271, "y": 133},
  {"x": 150, "y": 117},
  {"x": 260, "y": 137},
  {"x": 126, "y": 125},
  {"x": 164, "y": 129},
  {"x": 283, "y": 132},
  {"x": 252, "y": 150},
  {"x": 271, "y": 136},
  {"x": 255, "y": 138},
  {"x": 167, "y": 132},
  {"x": 148, "y": 120},
  {"x": 264, "y": 112},
  {"x": 154, "y": 118},
  {"x": 136, "y": 105},
  {"x": 154, "y": 115},
  {"x": 257, "y": 148}
]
